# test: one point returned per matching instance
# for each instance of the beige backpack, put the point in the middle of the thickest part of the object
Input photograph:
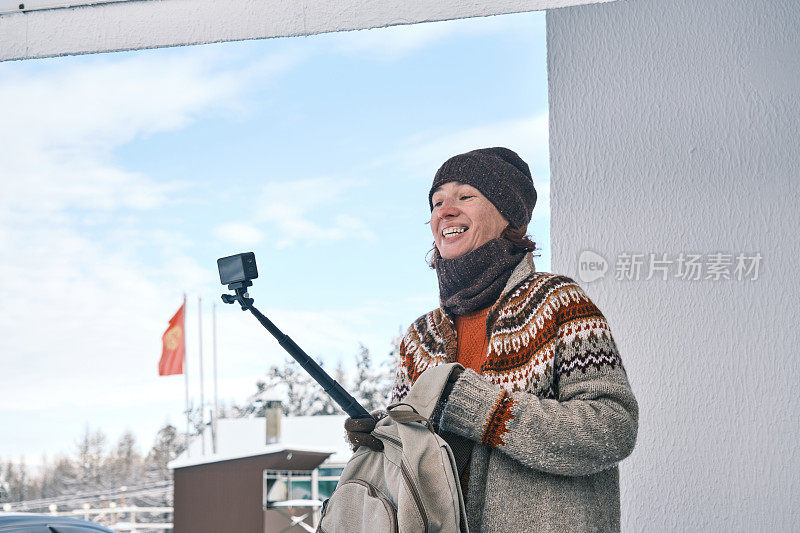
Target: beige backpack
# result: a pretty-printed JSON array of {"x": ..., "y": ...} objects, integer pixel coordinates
[{"x": 412, "y": 485}]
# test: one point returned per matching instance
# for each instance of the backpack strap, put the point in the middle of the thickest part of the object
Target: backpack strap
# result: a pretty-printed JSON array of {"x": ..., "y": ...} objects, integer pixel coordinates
[
  {"x": 462, "y": 452},
  {"x": 406, "y": 417},
  {"x": 426, "y": 390},
  {"x": 422, "y": 400}
]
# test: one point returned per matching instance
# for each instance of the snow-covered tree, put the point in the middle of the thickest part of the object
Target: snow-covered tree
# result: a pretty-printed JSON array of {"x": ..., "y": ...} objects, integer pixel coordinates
[
  {"x": 168, "y": 444},
  {"x": 368, "y": 387},
  {"x": 388, "y": 368},
  {"x": 3, "y": 484},
  {"x": 91, "y": 453},
  {"x": 303, "y": 395},
  {"x": 92, "y": 468},
  {"x": 299, "y": 393},
  {"x": 59, "y": 477},
  {"x": 15, "y": 481},
  {"x": 340, "y": 375},
  {"x": 374, "y": 382},
  {"x": 125, "y": 465}
]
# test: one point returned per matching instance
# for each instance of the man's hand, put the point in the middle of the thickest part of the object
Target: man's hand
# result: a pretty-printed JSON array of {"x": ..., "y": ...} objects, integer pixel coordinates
[{"x": 359, "y": 431}]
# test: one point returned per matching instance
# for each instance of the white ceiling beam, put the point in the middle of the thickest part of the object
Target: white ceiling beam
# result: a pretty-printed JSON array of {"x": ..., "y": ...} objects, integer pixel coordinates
[{"x": 141, "y": 24}]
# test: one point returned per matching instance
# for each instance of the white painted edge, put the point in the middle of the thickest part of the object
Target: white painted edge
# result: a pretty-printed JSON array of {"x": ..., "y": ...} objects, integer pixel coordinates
[
  {"x": 139, "y": 24},
  {"x": 12, "y": 6}
]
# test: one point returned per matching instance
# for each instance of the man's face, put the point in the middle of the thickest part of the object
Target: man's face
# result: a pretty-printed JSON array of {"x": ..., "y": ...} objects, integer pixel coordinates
[{"x": 463, "y": 219}]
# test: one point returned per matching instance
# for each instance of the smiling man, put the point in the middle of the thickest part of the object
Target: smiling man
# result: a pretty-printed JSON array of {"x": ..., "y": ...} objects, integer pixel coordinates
[{"x": 542, "y": 411}]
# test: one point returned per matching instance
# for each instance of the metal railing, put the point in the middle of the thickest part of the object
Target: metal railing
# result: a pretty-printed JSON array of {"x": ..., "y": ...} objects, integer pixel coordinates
[
  {"x": 90, "y": 497},
  {"x": 110, "y": 516}
]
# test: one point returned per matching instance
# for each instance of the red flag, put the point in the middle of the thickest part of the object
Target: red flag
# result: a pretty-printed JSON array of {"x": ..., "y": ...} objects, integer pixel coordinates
[{"x": 174, "y": 348}]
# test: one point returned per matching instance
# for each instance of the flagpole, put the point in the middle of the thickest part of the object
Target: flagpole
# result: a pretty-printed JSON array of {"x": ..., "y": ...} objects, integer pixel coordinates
[
  {"x": 186, "y": 379},
  {"x": 216, "y": 402},
  {"x": 202, "y": 399}
]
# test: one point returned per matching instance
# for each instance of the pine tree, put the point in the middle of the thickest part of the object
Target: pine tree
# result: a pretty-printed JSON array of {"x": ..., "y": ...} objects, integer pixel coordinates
[
  {"x": 91, "y": 454},
  {"x": 60, "y": 478},
  {"x": 301, "y": 395},
  {"x": 16, "y": 482},
  {"x": 125, "y": 465},
  {"x": 3, "y": 485},
  {"x": 91, "y": 469},
  {"x": 304, "y": 396},
  {"x": 168, "y": 444},
  {"x": 196, "y": 420},
  {"x": 389, "y": 367},
  {"x": 341, "y": 376},
  {"x": 368, "y": 388}
]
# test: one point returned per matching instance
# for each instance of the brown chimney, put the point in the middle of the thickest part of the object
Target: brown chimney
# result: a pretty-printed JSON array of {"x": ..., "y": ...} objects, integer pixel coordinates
[{"x": 273, "y": 414}]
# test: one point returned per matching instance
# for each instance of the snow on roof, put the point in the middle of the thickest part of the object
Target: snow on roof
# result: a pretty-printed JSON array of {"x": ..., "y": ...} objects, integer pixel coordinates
[
  {"x": 321, "y": 431},
  {"x": 246, "y": 437}
]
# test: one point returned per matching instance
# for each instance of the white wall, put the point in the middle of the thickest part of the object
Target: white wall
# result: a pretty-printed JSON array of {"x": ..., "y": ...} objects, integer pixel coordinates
[
  {"x": 674, "y": 127},
  {"x": 156, "y": 23}
]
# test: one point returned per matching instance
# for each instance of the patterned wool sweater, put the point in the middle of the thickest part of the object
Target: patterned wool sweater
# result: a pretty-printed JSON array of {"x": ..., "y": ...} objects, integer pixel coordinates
[{"x": 551, "y": 412}]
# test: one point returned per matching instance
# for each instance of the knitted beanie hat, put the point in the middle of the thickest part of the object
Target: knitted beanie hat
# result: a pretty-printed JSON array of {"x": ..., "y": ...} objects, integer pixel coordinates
[{"x": 499, "y": 174}]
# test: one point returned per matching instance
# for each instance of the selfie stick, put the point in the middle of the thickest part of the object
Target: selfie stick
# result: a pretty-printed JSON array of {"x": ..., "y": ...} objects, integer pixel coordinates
[{"x": 331, "y": 386}]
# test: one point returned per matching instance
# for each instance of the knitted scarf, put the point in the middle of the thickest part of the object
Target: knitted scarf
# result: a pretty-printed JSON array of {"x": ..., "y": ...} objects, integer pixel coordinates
[{"x": 475, "y": 280}]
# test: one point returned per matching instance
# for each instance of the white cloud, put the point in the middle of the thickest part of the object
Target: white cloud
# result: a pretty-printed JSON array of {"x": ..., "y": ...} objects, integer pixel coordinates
[
  {"x": 423, "y": 153},
  {"x": 60, "y": 125},
  {"x": 294, "y": 209},
  {"x": 239, "y": 233},
  {"x": 528, "y": 136},
  {"x": 89, "y": 307},
  {"x": 396, "y": 41},
  {"x": 82, "y": 312}
]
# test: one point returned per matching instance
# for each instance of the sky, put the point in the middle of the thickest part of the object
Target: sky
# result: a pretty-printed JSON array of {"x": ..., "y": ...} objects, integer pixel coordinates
[{"x": 124, "y": 176}]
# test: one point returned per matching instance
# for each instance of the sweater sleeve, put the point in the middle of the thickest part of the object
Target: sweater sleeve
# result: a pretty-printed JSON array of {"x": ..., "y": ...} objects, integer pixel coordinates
[
  {"x": 589, "y": 427},
  {"x": 402, "y": 383}
]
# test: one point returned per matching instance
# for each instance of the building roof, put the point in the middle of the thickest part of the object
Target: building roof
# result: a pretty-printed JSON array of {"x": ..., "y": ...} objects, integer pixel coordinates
[{"x": 246, "y": 437}]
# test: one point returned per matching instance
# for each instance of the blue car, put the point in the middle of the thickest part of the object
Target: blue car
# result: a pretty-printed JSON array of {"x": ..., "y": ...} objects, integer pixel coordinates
[{"x": 41, "y": 523}]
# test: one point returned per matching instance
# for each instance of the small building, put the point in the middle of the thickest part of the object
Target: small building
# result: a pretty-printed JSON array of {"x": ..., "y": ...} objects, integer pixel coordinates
[{"x": 267, "y": 474}]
